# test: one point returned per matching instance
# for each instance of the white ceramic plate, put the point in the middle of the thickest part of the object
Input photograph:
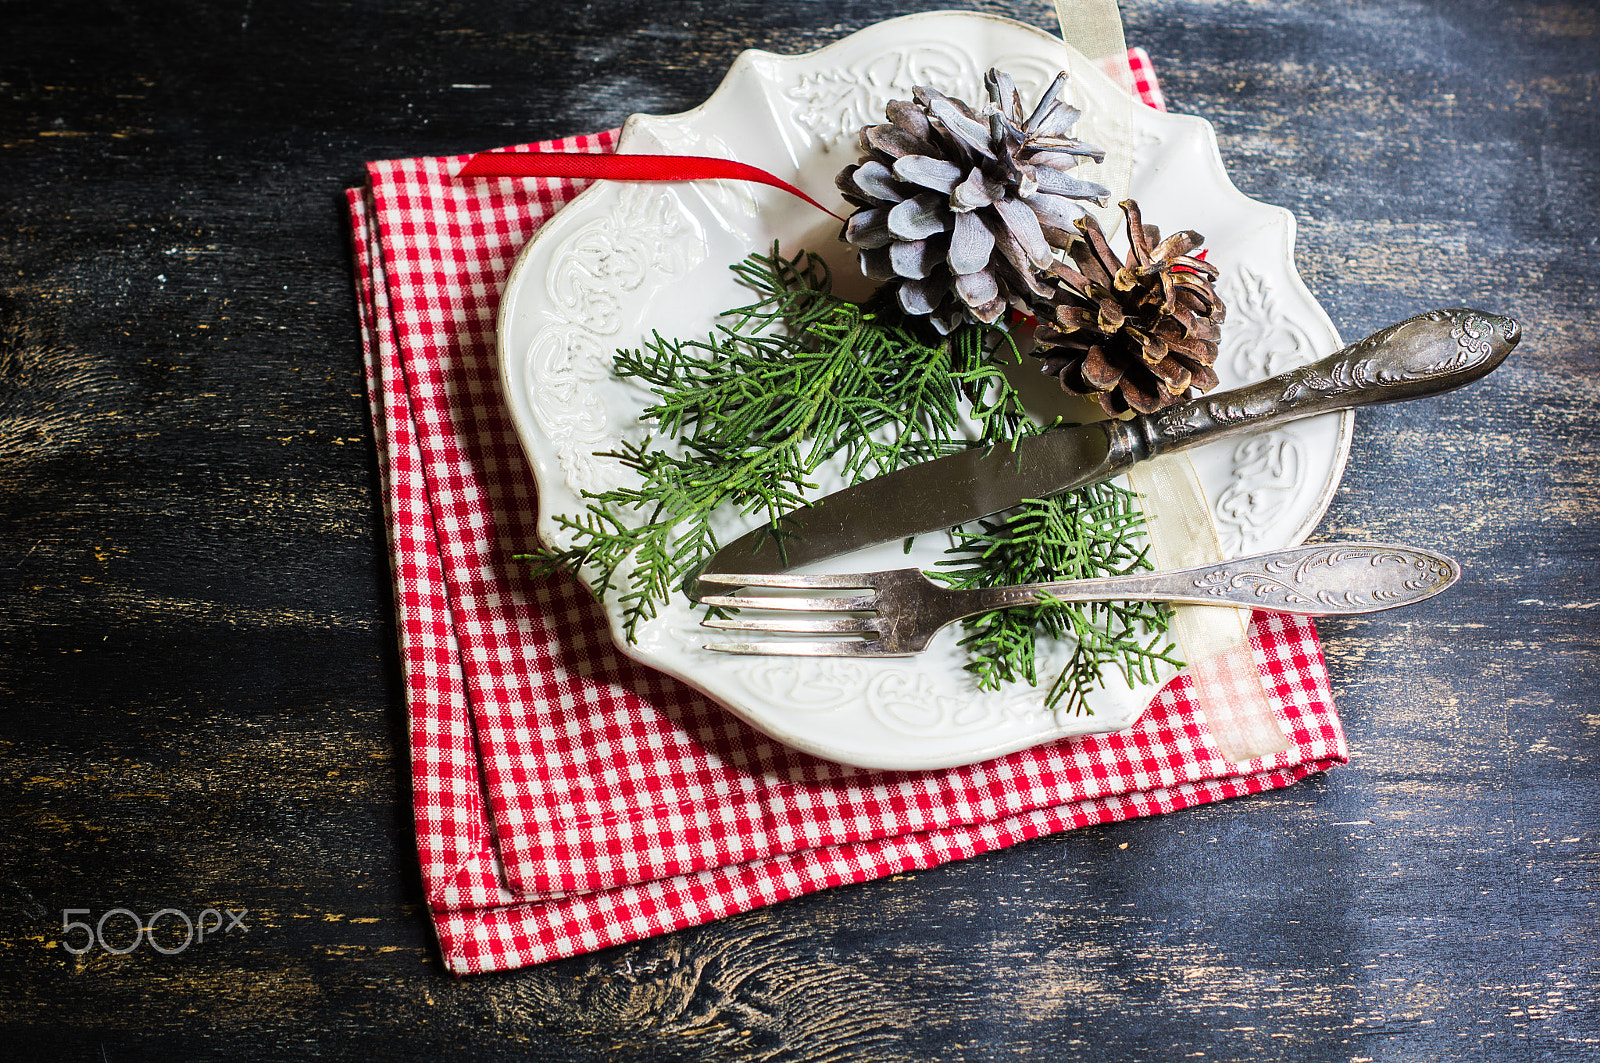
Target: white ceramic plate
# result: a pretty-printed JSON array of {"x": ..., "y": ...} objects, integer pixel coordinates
[{"x": 625, "y": 259}]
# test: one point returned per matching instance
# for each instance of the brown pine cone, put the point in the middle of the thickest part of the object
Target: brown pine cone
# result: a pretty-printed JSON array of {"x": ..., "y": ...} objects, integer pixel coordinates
[{"x": 1134, "y": 335}]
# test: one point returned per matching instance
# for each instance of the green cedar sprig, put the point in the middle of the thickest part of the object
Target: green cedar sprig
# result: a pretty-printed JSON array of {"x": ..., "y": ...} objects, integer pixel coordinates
[
  {"x": 801, "y": 376},
  {"x": 1078, "y": 535},
  {"x": 781, "y": 386}
]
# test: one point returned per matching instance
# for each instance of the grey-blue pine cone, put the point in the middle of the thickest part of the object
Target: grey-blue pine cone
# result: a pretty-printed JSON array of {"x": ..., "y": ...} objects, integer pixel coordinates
[{"x": 958, "y": 210}]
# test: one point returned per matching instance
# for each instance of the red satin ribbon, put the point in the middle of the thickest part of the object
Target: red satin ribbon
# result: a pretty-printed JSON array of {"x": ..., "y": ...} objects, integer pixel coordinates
[{"x": 623, "y": 168}]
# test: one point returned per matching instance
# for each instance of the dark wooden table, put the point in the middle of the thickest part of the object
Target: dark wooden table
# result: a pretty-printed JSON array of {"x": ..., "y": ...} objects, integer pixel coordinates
[{"x": 199, "y": 695}]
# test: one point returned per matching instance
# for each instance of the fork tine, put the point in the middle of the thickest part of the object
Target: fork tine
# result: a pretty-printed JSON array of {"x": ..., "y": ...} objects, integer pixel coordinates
[
  {"x": 862, "y": 603},
  {"x": 839, "y": 625},
  {"x": 788, "y": 579},
  {"x": 838, "y": 648}
]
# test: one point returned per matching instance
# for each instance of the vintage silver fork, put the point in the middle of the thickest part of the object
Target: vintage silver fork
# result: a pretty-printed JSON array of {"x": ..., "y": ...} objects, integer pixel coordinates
[{"x": 900, "y": 610}]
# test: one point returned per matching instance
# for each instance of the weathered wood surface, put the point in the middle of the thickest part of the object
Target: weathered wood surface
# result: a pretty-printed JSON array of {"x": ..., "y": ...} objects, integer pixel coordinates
[{"x": 198, "y": 665}]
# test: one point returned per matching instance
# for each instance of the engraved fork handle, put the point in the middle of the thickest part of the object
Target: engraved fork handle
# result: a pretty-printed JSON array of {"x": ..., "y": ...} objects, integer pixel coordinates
[{"x": 1324, "y": 579}]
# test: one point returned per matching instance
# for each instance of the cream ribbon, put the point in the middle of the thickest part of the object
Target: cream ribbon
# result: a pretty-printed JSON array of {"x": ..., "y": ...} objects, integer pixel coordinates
[
  {"x": 1094, "y": 28},
  {"x": 1214, "y": 640}
]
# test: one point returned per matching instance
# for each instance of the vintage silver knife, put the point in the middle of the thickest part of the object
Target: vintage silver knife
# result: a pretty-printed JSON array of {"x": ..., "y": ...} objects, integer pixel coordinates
[{"x": 1423, "y": 355}]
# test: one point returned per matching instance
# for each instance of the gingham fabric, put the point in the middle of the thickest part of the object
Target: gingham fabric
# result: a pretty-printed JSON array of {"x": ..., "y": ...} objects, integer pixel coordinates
[
  {"x": 1145, "y": 85},
  {"x": 568, "y": 798}
]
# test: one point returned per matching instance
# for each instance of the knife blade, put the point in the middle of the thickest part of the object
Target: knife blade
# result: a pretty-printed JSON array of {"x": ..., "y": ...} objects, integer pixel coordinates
[{"x": 1424, "y": 355}]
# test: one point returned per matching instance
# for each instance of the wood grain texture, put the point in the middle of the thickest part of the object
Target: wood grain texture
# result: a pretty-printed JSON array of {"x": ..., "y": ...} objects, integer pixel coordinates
[{"x": 198, "y": 663}]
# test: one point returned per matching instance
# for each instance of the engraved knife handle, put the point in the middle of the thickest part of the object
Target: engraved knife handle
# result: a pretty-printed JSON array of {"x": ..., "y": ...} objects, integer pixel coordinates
[
  {"x": 1423, "y": 355},
  {"x": 1323, "y": 579}
]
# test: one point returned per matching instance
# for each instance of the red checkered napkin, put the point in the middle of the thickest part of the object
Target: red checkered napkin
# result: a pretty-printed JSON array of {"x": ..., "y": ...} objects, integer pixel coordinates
[{"x": 568, "y": 798}]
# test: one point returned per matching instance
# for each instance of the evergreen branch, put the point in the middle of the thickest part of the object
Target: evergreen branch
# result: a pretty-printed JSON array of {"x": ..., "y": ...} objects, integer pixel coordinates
[
  {"x": 800, "y": 376},
  {"x": 1079, "y": 535},
  {"x": 780, "y": 386}
]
